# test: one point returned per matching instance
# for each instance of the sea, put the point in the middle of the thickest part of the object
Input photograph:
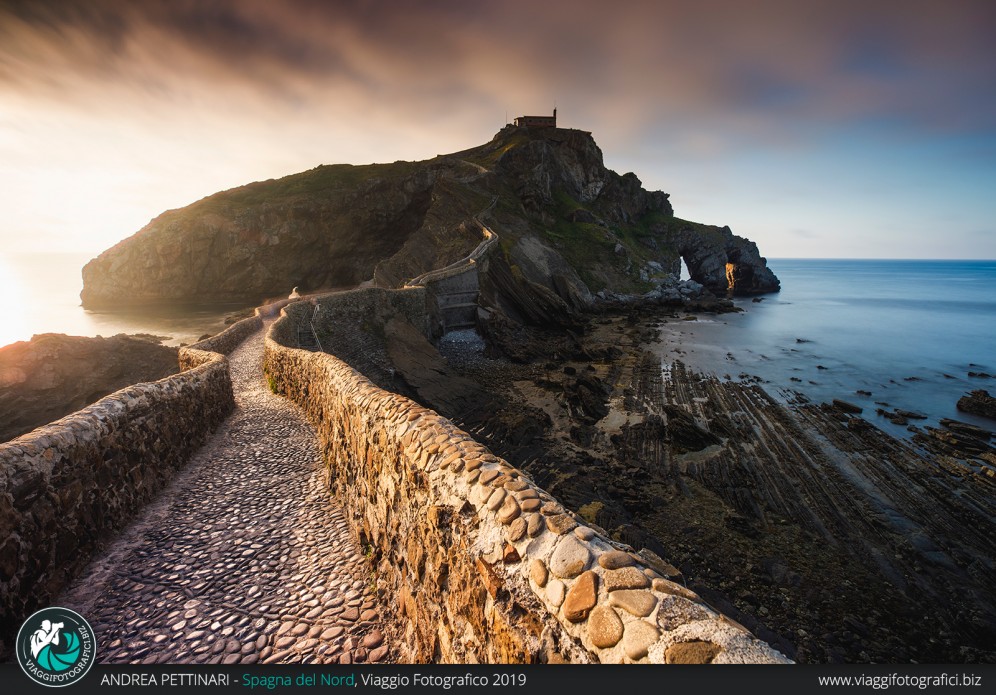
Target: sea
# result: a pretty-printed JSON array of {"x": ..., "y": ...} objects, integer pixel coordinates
[
  {"x": 41, "y": 294},
  {"x": 907, "y": 332}
]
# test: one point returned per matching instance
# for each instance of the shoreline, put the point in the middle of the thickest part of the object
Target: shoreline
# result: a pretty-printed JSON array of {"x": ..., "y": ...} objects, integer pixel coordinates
[
  {"x": 818, "y": 531},
  {"x": 801, "y": 368}
]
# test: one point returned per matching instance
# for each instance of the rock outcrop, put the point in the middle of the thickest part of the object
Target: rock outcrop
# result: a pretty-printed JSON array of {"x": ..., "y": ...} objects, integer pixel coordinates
[
  {"x": 569, "y": 227},
  {"x": 327, "y": 226},
  {"x": 720, "y": 260},
  {"x": 53, "y": 375},
  {"x": 978, "y": 403}
]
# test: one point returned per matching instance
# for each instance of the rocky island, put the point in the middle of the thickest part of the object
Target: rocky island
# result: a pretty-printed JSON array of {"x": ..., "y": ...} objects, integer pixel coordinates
[
  {"x": 823, "y": 535},
  {"x": 568, "y": 228}
]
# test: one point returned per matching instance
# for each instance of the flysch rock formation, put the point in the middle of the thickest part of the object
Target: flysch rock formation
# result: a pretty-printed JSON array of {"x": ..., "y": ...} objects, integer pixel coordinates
[{"x": 569, "y": 228}]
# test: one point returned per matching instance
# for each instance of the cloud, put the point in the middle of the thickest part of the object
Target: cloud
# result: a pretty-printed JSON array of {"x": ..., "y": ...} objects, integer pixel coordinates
[
  {"x": 185, "y": 96},
  {"x": 754, "y": 66},
  {"x": 804, "y": 233}
]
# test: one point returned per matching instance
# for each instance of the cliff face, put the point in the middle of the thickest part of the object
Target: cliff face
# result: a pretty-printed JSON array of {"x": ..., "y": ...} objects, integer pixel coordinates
[
  {"x": 325, "y": 227},
  {"x": 566, "y": 223}
]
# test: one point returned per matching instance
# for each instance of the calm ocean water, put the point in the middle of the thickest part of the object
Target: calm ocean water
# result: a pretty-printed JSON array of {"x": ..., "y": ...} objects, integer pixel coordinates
[
  {"x": 41, "y": 294},
  {"x": 906, "y": 331},
  {"x": 909, "y": 332}
]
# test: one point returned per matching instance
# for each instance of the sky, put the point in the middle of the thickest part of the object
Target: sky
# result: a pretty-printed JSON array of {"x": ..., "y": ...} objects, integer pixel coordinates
[{"x": 817, "y": 129}]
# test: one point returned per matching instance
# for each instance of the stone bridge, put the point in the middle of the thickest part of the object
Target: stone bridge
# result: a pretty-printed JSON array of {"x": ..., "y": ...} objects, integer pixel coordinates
[
  {"x": 453, "y": 291},
  {"x": 202, "y": 548}
]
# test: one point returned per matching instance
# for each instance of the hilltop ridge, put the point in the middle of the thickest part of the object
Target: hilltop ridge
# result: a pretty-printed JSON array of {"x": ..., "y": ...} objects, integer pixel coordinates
[{"x": 565, "y": 221}]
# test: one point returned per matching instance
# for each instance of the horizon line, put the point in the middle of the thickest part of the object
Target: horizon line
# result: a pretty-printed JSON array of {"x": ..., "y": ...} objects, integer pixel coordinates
[{"x": 81, "y": 252}]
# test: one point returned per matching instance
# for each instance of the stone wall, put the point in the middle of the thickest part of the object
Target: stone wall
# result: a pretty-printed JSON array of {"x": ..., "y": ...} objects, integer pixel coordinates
[
  {"x": 453, "y": 291},
  {"x": 482, "y": 565},
  {"x": 371, "y": 302},
  {"x": 453, "y": 301},
  {"x": 347, "y": 324},
  {"x": 487, "y": 242},
  {"x": 228, "y": 339},
  {"x": 273, "y": 308},
  {"x": 68, "y": 485}
]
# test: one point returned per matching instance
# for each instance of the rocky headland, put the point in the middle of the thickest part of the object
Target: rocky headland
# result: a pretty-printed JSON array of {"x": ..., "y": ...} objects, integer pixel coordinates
[
  {"x": 52, "y": 375},
  {"x": 568, "y": 228}
]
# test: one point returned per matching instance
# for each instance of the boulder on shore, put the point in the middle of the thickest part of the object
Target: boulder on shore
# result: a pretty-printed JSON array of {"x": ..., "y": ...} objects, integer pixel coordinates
[{"x": 846, "y": 407}]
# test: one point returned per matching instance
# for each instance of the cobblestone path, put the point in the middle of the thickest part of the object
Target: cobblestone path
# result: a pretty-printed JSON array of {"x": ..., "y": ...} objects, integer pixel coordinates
[{"x": 243, "y": 559}]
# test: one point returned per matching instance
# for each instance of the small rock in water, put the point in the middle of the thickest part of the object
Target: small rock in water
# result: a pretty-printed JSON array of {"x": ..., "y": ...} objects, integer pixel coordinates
[
  {"x": 846, "y": 407},
  {"x": 978, "y": 403},
  {"x": 894, "y": 418}
]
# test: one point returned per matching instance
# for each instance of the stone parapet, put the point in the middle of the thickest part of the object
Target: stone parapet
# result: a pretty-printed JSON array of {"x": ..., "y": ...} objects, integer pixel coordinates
[
  {"x": 481, "y": 564},
  {"x": 457, "y": 267},
  {"x": 223, "y": 343},
  {"x": 66, "y": 486}
]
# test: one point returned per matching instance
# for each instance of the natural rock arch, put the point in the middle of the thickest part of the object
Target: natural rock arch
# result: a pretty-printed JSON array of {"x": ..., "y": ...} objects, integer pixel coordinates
[{"x": 723, "y": 262}]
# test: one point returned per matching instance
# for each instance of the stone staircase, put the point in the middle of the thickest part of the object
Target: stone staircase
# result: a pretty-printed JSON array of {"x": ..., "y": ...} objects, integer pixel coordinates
[
  {"x": 459, "y": 309},
  {"x": 306, "y": 338},
  {"x": 455, "y": 289}
]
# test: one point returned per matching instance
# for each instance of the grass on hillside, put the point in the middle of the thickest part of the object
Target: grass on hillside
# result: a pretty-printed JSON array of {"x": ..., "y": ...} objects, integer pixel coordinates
[
  {"x": 591, "y": 248},
  {"x": 307, "y": 183}
]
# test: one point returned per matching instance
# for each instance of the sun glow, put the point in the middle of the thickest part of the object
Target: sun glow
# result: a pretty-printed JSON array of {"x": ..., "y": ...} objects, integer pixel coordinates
[{"x": 14, "y": 325}]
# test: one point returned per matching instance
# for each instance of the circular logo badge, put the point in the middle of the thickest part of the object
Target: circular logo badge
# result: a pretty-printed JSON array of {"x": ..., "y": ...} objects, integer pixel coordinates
[{"x": 55, "y": 647}]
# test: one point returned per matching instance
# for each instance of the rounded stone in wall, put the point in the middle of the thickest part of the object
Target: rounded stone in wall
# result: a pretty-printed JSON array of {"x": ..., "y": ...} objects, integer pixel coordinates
[
  {"x": 605, "y": 629},
  {"x": 570, "y": 558}
]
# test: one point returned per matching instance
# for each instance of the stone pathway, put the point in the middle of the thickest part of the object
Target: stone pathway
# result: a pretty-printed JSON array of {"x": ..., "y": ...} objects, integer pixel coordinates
[{"x": 243, "y": 559}]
